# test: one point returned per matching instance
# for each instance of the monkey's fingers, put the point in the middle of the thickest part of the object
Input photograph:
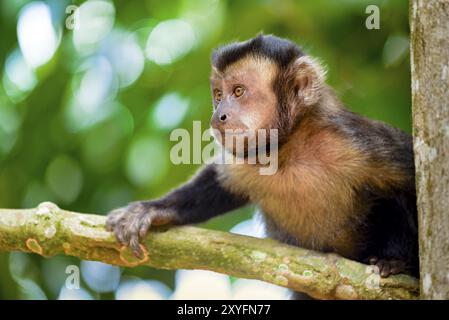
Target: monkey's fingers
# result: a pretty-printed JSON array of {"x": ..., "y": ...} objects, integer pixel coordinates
[
  {"x": 113, "y": 218},
  {"x": 121, "y": 227},
  {"x": 398, "y": 266},
  {"x": 389, "y": 267},
  {"x": 385, "y": 271},
  {"x": 394, "y": 267},
  {"x": 145, "y": 226},
  {"x": 373, "y": 260},
  {"x": 120, "y": 232},
  {"x": 135, "y": 246},
  {"x": 132, "y": 232}
]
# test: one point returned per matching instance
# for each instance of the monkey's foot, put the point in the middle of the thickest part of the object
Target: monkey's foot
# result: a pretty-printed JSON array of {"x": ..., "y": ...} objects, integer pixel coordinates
[
  {"x": 387, "y": 267},
  {"x": 130, "y": 224}
]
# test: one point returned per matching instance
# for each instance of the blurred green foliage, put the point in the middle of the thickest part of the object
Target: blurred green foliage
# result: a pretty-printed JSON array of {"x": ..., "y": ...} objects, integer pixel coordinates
[{"x": 85, "y": 114}]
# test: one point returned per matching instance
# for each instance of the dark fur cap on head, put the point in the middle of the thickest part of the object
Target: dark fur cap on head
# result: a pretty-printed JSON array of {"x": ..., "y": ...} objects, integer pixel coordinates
[{"x": 280, "y": 51}]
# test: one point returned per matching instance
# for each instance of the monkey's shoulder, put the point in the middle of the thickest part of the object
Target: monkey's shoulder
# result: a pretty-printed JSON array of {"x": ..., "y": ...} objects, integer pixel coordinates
[{"x": 373, "y": 136}]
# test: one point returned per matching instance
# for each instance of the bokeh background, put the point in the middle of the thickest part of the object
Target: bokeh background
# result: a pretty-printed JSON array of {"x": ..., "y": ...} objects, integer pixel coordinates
[{"x": 86, "y": 113}]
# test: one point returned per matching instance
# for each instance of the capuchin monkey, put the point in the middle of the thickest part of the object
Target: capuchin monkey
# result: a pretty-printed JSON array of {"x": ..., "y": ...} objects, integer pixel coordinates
[{"x": 344, "y": 184}]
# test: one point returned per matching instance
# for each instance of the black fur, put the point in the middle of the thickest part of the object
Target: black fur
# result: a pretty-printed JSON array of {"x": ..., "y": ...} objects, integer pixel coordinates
[
  {"x": 278, "y": 50},
  {"x": 390, "y": 230},
  {"x": 201, "y": 198}
]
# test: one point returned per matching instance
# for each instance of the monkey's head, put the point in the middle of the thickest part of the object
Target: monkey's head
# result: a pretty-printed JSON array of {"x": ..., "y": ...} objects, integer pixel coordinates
[{"x": 263, "y": 83}]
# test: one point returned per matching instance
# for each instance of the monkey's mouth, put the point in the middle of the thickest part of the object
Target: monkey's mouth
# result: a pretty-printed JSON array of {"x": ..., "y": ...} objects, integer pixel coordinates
[
  {"x": 233, "y": 134},
  {"x": 239, "y": 133}
]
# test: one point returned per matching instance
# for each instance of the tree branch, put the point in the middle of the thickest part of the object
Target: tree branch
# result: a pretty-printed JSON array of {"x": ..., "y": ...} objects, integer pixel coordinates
[{"x": 48, "y": 230}]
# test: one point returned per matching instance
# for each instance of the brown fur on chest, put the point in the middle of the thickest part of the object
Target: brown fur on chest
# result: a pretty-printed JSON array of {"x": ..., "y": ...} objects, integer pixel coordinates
[{"x": 314, "y": 196}]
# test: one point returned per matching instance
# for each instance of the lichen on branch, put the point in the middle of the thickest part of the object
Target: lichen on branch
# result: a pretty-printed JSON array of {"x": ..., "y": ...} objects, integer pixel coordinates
[{"x": 48, "y": 230}]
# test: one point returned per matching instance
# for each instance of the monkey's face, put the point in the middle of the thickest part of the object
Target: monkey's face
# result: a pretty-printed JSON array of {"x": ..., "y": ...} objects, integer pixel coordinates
[
  {"x": 255, "y": 94},
  {"x": 243, "y": 98}
]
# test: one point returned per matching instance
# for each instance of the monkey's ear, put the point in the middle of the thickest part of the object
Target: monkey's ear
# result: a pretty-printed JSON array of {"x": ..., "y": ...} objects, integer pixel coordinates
[{"x": 309, "y": 78}]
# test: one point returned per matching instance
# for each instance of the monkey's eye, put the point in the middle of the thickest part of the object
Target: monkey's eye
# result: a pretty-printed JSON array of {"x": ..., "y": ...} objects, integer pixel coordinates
[
  {"x": 218, "y": 95},
  {"x": 238, "y": 91}
]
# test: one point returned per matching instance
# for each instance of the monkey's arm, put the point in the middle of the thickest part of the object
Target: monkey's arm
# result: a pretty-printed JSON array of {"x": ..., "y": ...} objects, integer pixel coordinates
[{"x": 200, "y": 199}]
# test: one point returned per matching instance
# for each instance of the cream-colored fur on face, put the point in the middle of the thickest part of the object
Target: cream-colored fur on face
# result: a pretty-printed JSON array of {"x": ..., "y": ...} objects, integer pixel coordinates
[{"x": 256, "y": 108}]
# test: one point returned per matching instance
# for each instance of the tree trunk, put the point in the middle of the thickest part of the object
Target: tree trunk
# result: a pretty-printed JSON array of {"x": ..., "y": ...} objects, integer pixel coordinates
[{"x": 429, "y": 24}]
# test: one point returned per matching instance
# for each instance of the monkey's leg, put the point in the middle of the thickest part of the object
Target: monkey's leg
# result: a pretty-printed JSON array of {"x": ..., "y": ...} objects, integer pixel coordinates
[
  {"x": 393, "y": 242},
  {"x": 198, "y": 200}
]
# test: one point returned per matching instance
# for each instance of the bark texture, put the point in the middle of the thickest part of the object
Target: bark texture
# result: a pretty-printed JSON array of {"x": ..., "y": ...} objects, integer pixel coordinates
[{"x": 429, "y": 24}]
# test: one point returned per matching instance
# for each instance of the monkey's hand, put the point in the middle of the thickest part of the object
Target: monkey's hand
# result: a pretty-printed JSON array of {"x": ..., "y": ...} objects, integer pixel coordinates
[{"x": 131, "y": 223}]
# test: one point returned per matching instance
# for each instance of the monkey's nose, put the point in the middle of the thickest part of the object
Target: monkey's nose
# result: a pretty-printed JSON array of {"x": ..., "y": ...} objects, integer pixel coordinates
[
  {"x": 220, "y": 120},
  {"x": 223, "y": 117}
]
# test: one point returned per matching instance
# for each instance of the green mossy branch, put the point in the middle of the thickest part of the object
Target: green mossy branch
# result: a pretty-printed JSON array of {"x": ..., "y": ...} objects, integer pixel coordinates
[{"x": 48, "y": 230}]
